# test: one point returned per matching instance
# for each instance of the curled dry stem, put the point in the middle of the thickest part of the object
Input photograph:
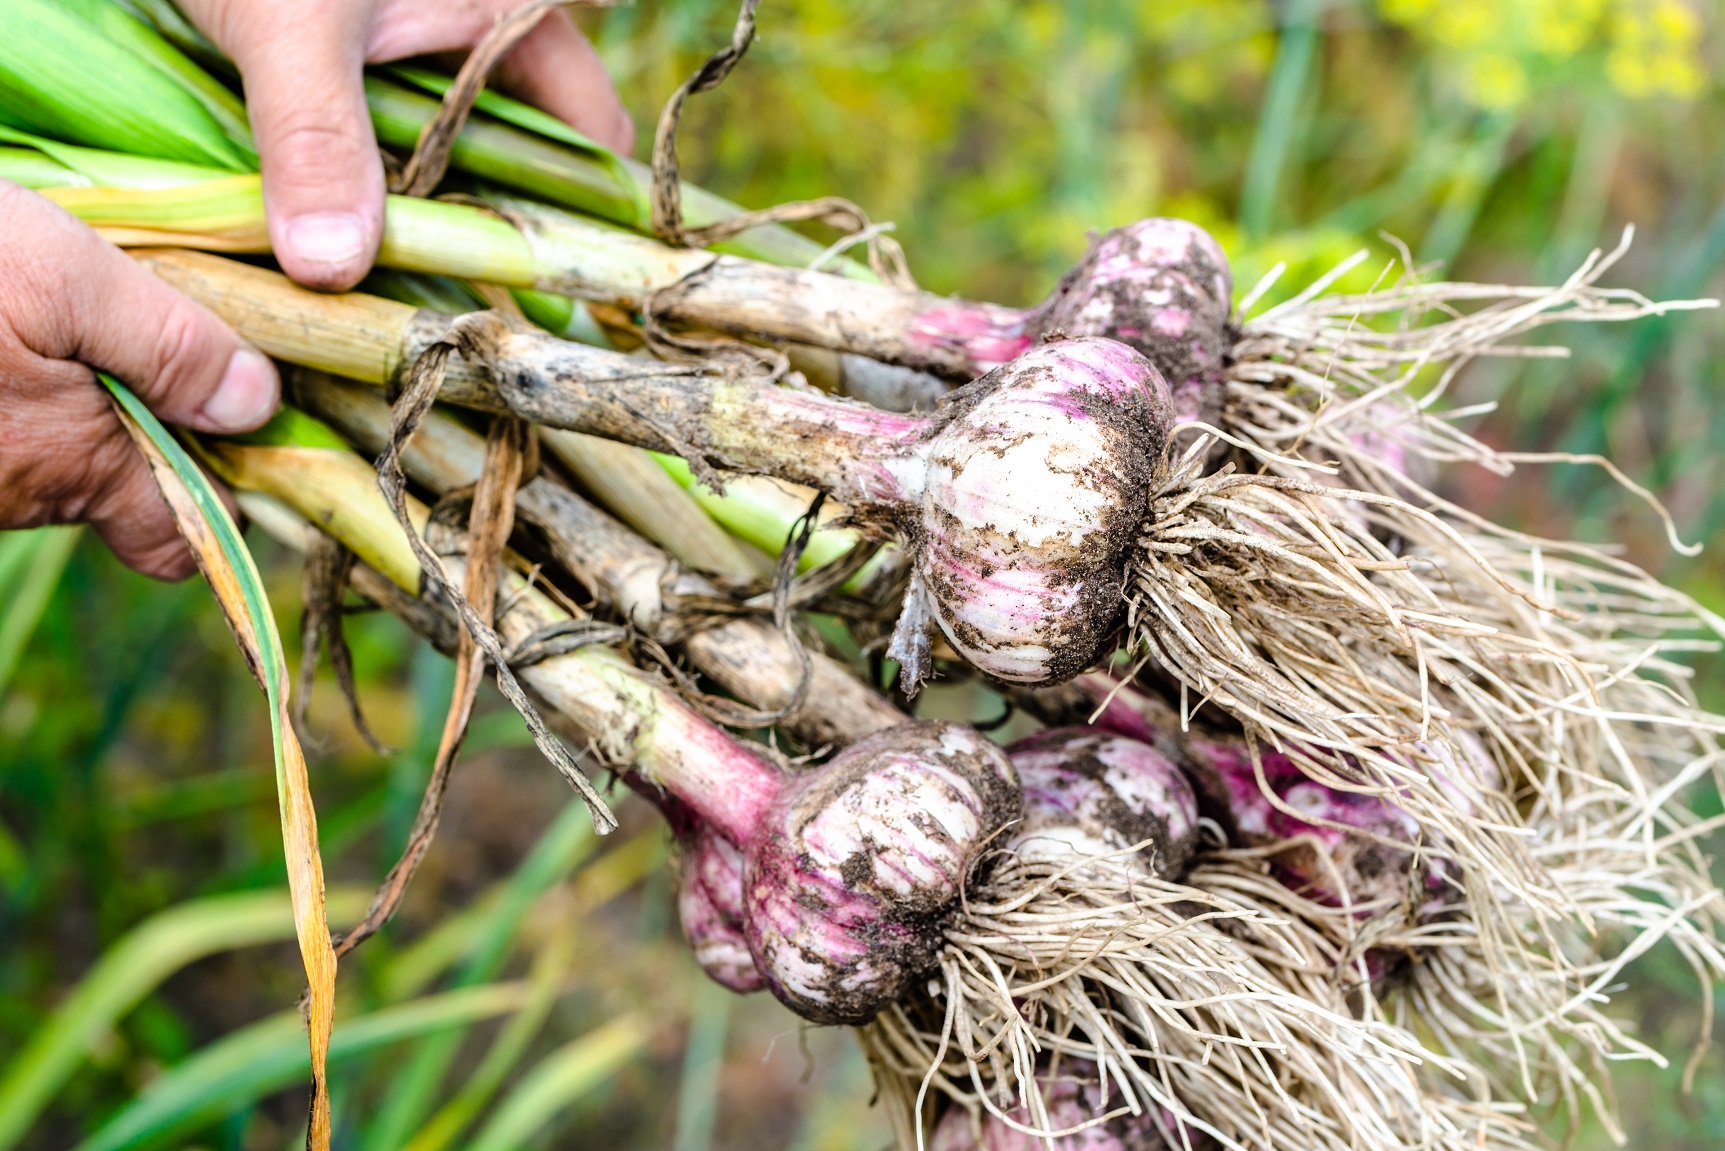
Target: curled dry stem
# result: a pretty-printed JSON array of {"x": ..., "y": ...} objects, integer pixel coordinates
[
  {"x": 493, "y": 519},
  {"x": 423, "y": 382},
  {"x": 327, "y": 567},
  {"x": 886, "y": 257}
]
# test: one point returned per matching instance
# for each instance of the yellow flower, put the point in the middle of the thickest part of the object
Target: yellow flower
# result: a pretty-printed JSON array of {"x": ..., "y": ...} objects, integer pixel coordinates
[
  {"x": 1561, "y": 28},
  {"x": 1495, "y": 81},
  {"x": 1655, "y": 50},
  {"x": 1495, "y": 50}
]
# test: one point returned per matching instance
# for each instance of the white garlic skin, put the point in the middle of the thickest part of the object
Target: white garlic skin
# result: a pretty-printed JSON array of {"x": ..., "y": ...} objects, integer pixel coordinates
[
  {"x": 1034, "y": 492},
  {"x": 859, "y": 866},
  {"x": 1089, "y": 792}
]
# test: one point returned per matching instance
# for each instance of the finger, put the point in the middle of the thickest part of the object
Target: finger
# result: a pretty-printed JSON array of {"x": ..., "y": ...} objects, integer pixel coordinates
[
  {"x": 70, "y": 295},
  {"x": 554, "y": 68},
  {"x": 323, "y": 180},
  {"x": 558, "y": 70}
]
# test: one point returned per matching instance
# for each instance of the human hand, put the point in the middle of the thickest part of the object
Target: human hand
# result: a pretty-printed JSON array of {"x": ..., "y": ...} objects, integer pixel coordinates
[
  {"x": 301, "y": 62},
  {"x": 70, "y": 301}
]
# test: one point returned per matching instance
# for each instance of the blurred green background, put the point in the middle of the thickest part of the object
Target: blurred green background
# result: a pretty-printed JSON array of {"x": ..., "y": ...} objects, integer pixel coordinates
[{"x": 534, "y": 991}]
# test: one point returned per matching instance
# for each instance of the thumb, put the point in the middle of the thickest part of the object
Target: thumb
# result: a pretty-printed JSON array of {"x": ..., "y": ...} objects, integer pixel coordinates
[
  {"x": 70, "y": 296},
  {"x": 323, "y": 181},
  {"x": 69, "y": 302}
]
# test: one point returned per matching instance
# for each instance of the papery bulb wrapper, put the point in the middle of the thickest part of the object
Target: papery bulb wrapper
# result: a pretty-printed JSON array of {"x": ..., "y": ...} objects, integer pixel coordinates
[
  {"x": 1090, "y": 792},
  {"x": 1036, "y": 486},
  {"x": 859, "y": 866},
  {"x": 710, "y": 907},
  {"x": 1371, "y": 870},
  {"x": 1163, "y": 287},
  {"x": 1072, "y": 1097}
]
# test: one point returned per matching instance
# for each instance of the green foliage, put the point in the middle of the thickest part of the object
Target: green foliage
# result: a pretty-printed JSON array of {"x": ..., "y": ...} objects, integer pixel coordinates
[
  {"x": 128, "y": 971},
  {"x": 505, "y": 1007},
  {"x": 90, "y": 74},
  {"x": 558, "y": 1081},
  {"x": 30, "y": 567},
  {"x": 271, "y": 1055}
]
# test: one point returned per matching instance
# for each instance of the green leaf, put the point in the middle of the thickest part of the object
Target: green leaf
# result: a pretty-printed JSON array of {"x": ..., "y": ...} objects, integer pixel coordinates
[
  {"x": 550, "y": 969},
  {"x": 30, "y": 567},
  {"x": 227, "y": 566},
  {"x": 764, "y": 515},
  {"x": 148, "y": 45},
  {"x": 29, "y": 168},
  {"x": 521, "y": 148},
  {"x": 292, "y": 428},
  {"x": 130, "y": 970},
  {"x": 698, "y": 1093},
  {"x": 492, "y": 150},
  {"x": 271, "y": 1055},
  {"x": 100, "y": 167},
  {"x": 523, "y": 116},
  {"x": 61, "y": 76},
  {"x": 531, "y": 119},
  {"x": 561, "y": 1079}
]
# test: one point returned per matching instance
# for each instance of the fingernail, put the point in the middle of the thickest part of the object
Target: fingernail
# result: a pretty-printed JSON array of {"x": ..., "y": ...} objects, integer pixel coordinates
[
  {"x": 327, "y": 238},
  {"x": 245, "y": 398}
]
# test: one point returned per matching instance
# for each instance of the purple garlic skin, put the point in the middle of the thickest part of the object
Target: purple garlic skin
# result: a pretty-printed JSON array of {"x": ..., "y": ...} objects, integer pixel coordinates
[
  {"x": 1372, "y": 871},
  {"x": 1086, "y": 793},
  {"x": 1162, "y": 286},
  {"x": 1072, "y": 1097},
  {"x": 1219, "y": 766},
  {"x": 1090, "y": 792},
  {"x": 989, "y": 334},
  {"x": 710, "y": 906},
  {"x": 1034, "y": 491},
  {"x": 857, "y": 868}
]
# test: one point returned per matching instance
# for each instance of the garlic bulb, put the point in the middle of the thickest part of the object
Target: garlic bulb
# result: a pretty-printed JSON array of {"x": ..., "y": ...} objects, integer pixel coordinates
[
  {"x": 857, "y": 867},
  {"x": 1090, "y": 792},
  {"x": 1072, "y": 1097},
  {"x": 1031, "y": 494},
  {"x": 710, "y": 908},
  {"x": 1163, "y": 287}
]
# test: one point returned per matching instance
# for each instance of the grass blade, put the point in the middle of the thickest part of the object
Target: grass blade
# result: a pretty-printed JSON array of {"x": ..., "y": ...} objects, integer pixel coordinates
[
  {"x": 36, "y": 558},
  {"x": 567, "y": 842},
  {"x": 1282, "y": 99},
  {"x": 127, "y": 972},
  {"x": 545, "y": 984},
  {"x": 559, "y": 1080},
  {"x": 270, "y": 1055},
  {"x": 227, "y": 566},
  {"x": 1471, "y": 181},
  {"x": 698, "y": 1095},
  {"x": 61, "y": 76}
]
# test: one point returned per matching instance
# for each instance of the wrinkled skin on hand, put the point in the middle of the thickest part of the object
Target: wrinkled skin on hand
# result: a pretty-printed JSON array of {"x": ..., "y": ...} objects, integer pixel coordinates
[{"x": 70, "y": 302}]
